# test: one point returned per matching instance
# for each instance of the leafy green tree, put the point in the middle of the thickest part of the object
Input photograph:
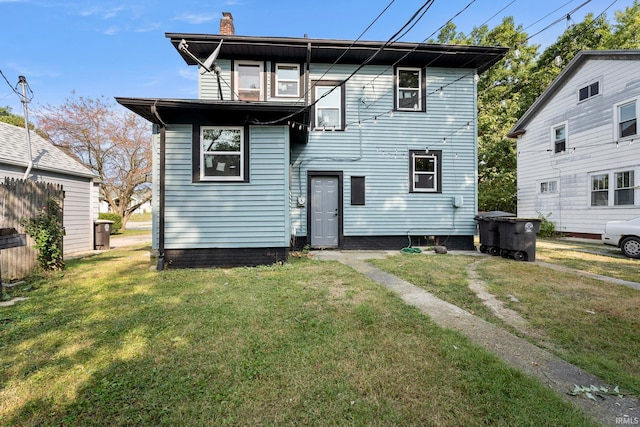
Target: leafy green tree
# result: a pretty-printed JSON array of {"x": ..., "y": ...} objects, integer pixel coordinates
[
  {"x": 7, "y": 116},
  {"x": 626, "y": 30}
]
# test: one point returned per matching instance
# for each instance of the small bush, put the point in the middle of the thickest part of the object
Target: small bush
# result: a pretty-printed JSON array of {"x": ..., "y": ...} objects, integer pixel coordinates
[
  {"x": 547, "y": 227},
  {"x": 47, "y": 232},
  {"x": 117, "y": 221}
]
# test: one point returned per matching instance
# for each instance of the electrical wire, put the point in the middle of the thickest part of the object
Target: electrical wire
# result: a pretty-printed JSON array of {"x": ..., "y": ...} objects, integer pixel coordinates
[{"x": 13, "y": 89}]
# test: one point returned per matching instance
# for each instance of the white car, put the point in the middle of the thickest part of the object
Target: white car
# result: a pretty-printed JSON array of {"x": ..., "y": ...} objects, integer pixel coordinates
[{"x": 625, "y": 235}]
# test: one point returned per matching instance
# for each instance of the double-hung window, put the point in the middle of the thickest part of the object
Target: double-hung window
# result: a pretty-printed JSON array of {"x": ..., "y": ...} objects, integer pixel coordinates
[
  {"x": 409, "y": 89},
  {"x": 222, "y": 153},
  {"x": 600, "y": 190},
  {"x": 624, "y": 188},
  {"x": 627, "y": 120},
  {"x": 559, "y": 139},
  {"x": 329, "y": 105},
  {"x": 287, "y": 80},
  {"x": 425, "y": 171},
  {"x": 249, "y": 78}
]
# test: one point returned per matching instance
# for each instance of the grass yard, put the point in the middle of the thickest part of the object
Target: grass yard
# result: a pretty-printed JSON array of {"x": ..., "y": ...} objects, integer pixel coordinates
[
  {"x": 590, "y": 323},
  {"x": 112, "y": 342}
]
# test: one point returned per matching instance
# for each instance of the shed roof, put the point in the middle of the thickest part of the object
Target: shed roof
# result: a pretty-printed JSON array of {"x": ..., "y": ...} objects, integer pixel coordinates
[
  {"x": 567, "y": 73},
  {"x": 46, "y": 156}
]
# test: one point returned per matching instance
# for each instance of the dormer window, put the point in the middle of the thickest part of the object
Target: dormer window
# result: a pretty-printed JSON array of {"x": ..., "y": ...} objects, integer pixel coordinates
[
  {"x": 588, "y": 91},
  {"x": 248, "y": 82}
]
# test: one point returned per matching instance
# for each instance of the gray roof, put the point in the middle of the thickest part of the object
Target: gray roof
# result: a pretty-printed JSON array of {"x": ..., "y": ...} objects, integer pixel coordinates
[
  {"x": 46, "y": 156},
  {"x": 572, "y": 67}
]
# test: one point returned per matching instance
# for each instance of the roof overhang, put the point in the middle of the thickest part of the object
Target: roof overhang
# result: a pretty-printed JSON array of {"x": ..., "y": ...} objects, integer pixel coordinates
[
  {"x": 301, "y": 50},
  {"x": 163, "y": 111}
]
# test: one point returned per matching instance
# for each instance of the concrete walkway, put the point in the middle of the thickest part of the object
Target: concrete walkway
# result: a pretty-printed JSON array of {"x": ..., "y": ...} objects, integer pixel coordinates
[{"x": 517, "y": 352}]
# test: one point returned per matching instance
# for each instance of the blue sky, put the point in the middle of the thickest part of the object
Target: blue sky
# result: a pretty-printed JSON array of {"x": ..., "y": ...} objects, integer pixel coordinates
[{"x": 118, "y": 48}]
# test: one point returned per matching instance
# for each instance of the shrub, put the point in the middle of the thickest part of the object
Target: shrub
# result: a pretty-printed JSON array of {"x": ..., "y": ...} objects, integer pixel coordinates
[
  {"x": 117, "y": 221},
  {"x": 47, "y": 232},
  {"x": 547, "y": 228}
]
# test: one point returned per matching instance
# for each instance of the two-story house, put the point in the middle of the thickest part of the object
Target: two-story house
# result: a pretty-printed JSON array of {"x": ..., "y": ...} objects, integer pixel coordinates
[
  {"x": 578, "y": 145},
  {"x": 326, "y": 143}
]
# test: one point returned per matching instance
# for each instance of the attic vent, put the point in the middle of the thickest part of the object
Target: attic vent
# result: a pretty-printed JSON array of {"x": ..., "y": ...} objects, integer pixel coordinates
[{"x": 226, "y": 24}]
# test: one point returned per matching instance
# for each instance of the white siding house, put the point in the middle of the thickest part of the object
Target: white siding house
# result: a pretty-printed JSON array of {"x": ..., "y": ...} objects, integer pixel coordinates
[
  {"x": 52, "y": 165},
  {"x": 579, "y": 146},
  {"x": 326, "y": 143}
]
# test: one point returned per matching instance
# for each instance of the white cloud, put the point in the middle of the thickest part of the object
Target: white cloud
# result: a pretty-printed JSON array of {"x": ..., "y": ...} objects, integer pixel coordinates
[
  {"x": 150, "y": 27},
  {"x": 190, "y": 73},
  {"x": 111, "y": 31},
  {"x": 102, "y": 12},
  {"x": 194, "y": 18}
]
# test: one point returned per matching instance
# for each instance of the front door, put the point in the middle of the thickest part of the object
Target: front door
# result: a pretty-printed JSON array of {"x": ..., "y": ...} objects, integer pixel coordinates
[{"x": 325, "y": 215}]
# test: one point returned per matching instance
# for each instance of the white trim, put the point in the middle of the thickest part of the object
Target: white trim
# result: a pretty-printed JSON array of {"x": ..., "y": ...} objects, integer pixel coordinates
[
  {"x": 323, "y": 104},
  {"x": 240, "y": 153},
  {"x": 236, "y": 79},
  {"x": 588, "y": 84},
  {"x": 616, "y": 118},
  {"x": 564, "y": 124},
  {"x": 277, "y": 80},
  {"x": 419, "y": 89}
]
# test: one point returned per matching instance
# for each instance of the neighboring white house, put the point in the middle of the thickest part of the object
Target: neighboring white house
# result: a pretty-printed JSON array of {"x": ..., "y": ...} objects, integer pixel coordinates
[
  {"x": 50, "y": 164},
  {"x": 579, "y": 146}
]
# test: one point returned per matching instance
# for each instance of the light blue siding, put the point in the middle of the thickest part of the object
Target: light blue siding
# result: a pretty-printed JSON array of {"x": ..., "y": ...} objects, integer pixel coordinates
[
  {"x": 380, "y": 152},
  {"x": 228, "y": 215}
]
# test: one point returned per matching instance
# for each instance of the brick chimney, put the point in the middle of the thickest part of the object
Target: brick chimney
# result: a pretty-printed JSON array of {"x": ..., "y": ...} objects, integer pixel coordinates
[{"x": 226, "y": 24}]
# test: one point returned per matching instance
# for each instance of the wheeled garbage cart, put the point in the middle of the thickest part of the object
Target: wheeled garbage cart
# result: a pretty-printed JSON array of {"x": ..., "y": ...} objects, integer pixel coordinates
[
  {"x": 489, "y": 232},
  {"x": 518, "y": 237}
]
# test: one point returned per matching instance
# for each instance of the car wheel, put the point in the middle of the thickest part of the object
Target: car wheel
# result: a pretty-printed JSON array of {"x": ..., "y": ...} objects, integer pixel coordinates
[{"x": 631, "y": 247}]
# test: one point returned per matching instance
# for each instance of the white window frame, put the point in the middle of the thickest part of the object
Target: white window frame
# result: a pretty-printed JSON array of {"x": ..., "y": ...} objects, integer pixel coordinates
[
  {"x": 566, "y": 137},
  {"x": 612, "y": 187},
  {"x": 419, "y": 89},
  {"x": 616, "y": 120},
  {"x": 238, "y": 81},
  {"x": 278, "y": 80},
  {"x": 631, "y": 186},
  {"x": 588, "y": 86},
  {"x": 205, "y": 153},
  {"x": 326, "y": 104},
  {"x": 436, "y": 157},
  {"x": 548, "y": 187}
]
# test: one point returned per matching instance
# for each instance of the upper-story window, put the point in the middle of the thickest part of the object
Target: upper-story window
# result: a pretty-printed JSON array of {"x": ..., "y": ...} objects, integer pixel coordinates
[
  {"x": 286, "y": 80},
  {"x": 329, "y": 105},
  {"x": 248, "y": 81},
  {"x": 559, "y": 139},
  {"x": 409, "y": 89},
  {"x": 588, "y": 91},
  {"x": 627, "y": 120},
  {"x": 425, "y": 171}
]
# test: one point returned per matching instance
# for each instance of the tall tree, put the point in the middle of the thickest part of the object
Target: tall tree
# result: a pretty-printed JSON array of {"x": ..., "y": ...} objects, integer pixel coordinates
[
  {"x": 626, "y": 30},
  {"x": 7, "y": 116},
  {"x": 112, "y": 143}
]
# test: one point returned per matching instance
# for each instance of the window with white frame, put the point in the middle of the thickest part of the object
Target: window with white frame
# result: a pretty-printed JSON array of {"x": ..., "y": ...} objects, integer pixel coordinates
[
  {"x": 627, "y": 120},
  {"x": 409, "y": 89},
  {"x": 600, "y": 190},
  {"x": 547, "y": 187},
  {"x": 248, "y": 81},
  {"x": 559, "y": 139},
  {"x": 589, "y": 91},
  {"x": 624, "y": 188},
  {"x": 287, "y": 80},
  {"x": 425, "y": 171},
  {"x": 222, "y": 155},
  {"x": 329, "y": 105}
]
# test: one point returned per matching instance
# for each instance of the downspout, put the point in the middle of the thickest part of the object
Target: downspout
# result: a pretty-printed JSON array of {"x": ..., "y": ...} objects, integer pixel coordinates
[
  {"x": 161, "y": 187},
  {"x": 23, "y": 82}
]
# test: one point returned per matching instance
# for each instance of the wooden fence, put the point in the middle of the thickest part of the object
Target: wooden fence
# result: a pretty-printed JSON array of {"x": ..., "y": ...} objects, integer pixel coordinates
[{"x": 23, "y": 199}]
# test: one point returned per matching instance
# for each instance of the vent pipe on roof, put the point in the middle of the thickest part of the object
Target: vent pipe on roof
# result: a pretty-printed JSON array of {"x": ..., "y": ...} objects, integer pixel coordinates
[
  {"x": 23, "y": 82},
  {"x": 226, "y": 24}
]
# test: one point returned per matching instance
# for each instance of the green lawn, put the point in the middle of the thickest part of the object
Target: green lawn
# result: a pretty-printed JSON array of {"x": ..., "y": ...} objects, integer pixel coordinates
[
  {"x": 590, "y": 323},
  {"x": 110, "y": 341}
]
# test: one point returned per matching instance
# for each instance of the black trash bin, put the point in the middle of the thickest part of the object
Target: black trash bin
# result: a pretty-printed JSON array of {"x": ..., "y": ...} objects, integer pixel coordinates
[
  {"x": 101, "y": 234},
  {"x": 489, "y": 231},
  {"x": 518, "y": 238}
]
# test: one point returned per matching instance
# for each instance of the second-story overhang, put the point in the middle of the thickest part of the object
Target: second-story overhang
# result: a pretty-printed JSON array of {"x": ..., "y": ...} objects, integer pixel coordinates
[{"x": 302, "y": 50}]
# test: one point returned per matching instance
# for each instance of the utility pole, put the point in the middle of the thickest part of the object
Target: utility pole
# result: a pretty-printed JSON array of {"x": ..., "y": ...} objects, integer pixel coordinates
[{"x": 22, "y": 81}]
